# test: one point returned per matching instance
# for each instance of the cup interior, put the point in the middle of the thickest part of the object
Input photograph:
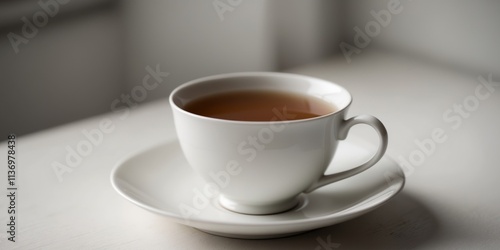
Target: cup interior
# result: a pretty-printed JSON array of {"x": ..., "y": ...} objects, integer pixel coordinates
[{"x": 330, "y": 92}]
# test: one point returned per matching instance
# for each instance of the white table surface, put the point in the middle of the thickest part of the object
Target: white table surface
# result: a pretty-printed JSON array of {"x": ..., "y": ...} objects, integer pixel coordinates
[{"x": 450, "y": 201}]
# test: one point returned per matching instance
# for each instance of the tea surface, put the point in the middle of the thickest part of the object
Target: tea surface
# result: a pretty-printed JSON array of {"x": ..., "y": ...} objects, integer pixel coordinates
[{"x": 259, "y": 105}]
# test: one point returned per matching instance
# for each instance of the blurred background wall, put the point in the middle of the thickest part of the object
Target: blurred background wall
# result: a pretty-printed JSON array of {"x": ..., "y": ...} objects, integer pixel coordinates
[
  {"x": 191, "y": 39},
  {"x": 462, "y": 34},
  {"x": 65, "y": 70},
  {"x": 89, "y": 53}
]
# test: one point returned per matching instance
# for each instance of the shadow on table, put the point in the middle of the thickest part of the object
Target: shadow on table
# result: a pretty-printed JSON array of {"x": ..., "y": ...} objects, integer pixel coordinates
[{"x": 403, "y": 222}]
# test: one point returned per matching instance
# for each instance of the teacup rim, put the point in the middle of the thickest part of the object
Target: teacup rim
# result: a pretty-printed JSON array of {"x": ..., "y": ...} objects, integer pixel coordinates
[{"x": 255, "y": 74}]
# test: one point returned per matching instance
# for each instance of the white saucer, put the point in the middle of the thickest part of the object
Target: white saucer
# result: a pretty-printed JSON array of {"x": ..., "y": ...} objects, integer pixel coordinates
[{"x": 161, "y": 181}]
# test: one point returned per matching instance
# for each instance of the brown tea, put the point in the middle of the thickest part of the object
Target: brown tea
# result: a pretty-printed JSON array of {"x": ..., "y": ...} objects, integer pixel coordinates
[{"x": 259, "y": 105}]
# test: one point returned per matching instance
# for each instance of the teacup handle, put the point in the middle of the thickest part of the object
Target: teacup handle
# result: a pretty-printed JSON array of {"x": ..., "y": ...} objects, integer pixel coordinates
[{"x": 342, "y": 135}]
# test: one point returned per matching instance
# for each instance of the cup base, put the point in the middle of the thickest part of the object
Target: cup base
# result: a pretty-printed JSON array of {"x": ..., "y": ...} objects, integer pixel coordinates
[{"x": 258, "y": 210}]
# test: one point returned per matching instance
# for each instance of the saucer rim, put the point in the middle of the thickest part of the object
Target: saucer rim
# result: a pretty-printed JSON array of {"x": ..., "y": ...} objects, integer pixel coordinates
[{"x": 340, "y": 214}]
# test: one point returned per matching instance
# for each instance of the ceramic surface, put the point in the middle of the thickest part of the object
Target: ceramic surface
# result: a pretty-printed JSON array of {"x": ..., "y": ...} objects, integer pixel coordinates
[{"x": 262, "y": 167}]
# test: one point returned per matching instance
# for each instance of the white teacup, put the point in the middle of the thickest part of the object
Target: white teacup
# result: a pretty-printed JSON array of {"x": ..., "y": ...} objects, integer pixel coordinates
[{"x": 292, "y": 155}]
